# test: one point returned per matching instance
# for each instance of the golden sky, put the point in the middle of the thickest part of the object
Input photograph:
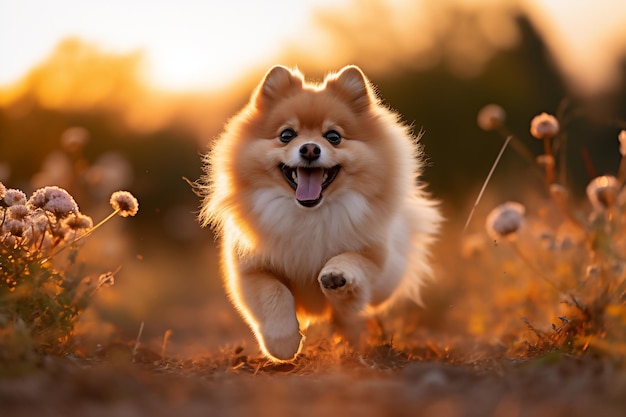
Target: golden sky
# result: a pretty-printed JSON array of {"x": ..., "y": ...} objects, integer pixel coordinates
[{"x": 206, "y": 44}]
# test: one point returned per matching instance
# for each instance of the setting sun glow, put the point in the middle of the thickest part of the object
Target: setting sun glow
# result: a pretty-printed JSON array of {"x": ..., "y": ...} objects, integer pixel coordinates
[
  {"x": 187, "y": 44},
  {"x": 194, "y": 44}
]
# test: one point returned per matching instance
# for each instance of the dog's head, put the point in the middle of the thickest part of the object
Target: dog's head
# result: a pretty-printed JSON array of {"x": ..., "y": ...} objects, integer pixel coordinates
[{"x": 319, "y": 140}]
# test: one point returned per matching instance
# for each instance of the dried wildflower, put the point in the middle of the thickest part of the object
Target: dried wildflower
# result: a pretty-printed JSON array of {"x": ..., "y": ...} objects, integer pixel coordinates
[
  {"x": 53, "y": 199},
  {"x": 59, "y": 232},
  {"x": 3, "y": 191},
  {"x": 125, "y": 203},
  {"x": 544, "y": 126},
  {"x": 14, "y": 196},
  {"x": 18, "y": 211},
  {"x": 491, "y": 117},
  {"x": 505, "y": 220},
  {"x": 602, "y": 192},
  {"x": 14, "y": 227},
  {"x": 78, "y": 221},
  {"x": 622, "y": 142},
  {"x": 40, "y": 221},
  {"x": 106, "y": 280},
  {"x": 37, "y": 226}
]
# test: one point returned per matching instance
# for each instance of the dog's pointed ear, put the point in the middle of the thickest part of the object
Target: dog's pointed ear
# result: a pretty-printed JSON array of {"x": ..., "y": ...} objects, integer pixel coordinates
[
  {"x": 276, "y": 83},
  {"x": 352, "y": 84}
]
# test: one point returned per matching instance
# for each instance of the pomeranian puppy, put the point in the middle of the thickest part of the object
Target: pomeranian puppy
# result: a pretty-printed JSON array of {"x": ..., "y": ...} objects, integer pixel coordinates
[{"x": 314, "y": 192}]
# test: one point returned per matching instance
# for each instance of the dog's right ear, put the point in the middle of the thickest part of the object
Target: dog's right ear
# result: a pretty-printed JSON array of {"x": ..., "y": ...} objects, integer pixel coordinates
[{"x": 278, "y": 81}]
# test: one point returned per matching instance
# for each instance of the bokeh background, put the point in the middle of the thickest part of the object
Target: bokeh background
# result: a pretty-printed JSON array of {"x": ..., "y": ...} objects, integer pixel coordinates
[{"x": 142, "y": 86}]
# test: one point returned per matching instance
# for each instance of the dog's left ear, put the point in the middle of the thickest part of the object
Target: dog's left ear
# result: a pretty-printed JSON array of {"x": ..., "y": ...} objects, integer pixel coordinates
[{"x": 352, "y": 84}]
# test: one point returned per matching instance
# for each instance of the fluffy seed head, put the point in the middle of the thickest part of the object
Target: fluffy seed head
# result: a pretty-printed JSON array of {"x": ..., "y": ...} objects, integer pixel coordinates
[
  {"x": 3, "y": 191},
  {"x": 491, "y": 117},
  {"x": 14, "y": 196},
  {"x": 53, "y": 199},
  {"x": 544, "y": 126},
  {"x": 505, "y": 220},
  {"x": 78, "y": 221},
  {"x": 39, "y": 222},
  {"x": 14, "y": 227},
  {"x": 18, "y": 211},
  {"x": 602, "y": 192},
  {"x": 125, "y": 202}
]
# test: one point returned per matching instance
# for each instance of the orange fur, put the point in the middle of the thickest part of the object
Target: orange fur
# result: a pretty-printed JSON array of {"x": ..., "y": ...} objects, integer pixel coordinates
[{"x": 365, "y": 240}]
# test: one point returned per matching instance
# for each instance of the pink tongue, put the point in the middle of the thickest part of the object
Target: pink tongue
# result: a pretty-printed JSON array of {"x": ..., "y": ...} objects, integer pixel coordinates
[{"x": 309, "y": 183}]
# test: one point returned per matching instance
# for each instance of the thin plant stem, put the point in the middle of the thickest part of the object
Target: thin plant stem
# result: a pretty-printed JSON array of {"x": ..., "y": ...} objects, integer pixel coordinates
[
  {"x": 91, "y": 230},
  {"x": 518, "y": 146},
  {"x": 87, "y": 233},
  {"x": 166, "y": 338},
  {"x": 549, "y": 166},
  {"x": 482, "y": 190},
  {"x": 138, "y": 341}
]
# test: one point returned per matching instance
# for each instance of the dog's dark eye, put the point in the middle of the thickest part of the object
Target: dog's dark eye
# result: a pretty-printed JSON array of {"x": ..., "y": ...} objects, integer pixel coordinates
[
  {"x": 333, "y": 137},
  {"x": 287, "y": 134}
]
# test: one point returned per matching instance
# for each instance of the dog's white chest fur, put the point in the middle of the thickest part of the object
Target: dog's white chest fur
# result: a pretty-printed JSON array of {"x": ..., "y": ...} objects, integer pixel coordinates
[{"x": 299, "y": 240}]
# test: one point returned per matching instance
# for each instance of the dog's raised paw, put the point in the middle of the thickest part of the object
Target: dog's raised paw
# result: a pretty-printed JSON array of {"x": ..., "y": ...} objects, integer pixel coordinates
[{"x": 332, "y": 281}]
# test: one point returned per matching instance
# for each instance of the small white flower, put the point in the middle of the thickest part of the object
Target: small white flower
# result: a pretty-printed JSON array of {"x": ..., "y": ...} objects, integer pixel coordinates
[
  {"x": 491, "y": 117},
  {"x": 38, "y": 225},
  {"x": 602, "y": 192},
  {"x": 125, "y": 202},
  {"x": 53, "y": 199},
  {"x": 13, "y": 196},
  {"x": 505, "y": 220},
  {"x": 14, "y": 227},
  {"x": 78, "y": 221},
  {"x": 18, "y": 211},
  {"x": 544, "y": 126}
]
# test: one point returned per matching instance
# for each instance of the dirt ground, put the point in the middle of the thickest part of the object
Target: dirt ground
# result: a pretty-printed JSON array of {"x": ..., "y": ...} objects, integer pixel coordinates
[
  {"x": 382, "y": 381},
  {"x": 195, "y": 357}
]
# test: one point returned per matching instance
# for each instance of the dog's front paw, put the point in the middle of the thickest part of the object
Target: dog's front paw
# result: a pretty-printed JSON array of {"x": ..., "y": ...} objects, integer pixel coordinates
[
  {"x": 332, "y": 280},
  {"x": 283, "y": 348},
  {"x": 337, "y": 282}
]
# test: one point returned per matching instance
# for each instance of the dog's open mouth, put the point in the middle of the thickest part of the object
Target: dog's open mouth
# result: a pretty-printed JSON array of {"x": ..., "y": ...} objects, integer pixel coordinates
[{"x": 309, "y": 182}]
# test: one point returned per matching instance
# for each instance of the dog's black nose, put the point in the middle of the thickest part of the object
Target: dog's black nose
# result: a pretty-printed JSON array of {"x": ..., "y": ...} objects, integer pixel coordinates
[{"x": 310, "y": 151}]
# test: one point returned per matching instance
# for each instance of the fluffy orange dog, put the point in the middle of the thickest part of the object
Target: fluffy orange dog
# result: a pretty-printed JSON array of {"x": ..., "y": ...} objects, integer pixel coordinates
[{"x": 313, "y": 190}]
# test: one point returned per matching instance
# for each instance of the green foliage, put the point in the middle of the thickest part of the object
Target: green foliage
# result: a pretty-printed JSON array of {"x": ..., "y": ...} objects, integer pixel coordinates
[{"x": 42, "y": 289}]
